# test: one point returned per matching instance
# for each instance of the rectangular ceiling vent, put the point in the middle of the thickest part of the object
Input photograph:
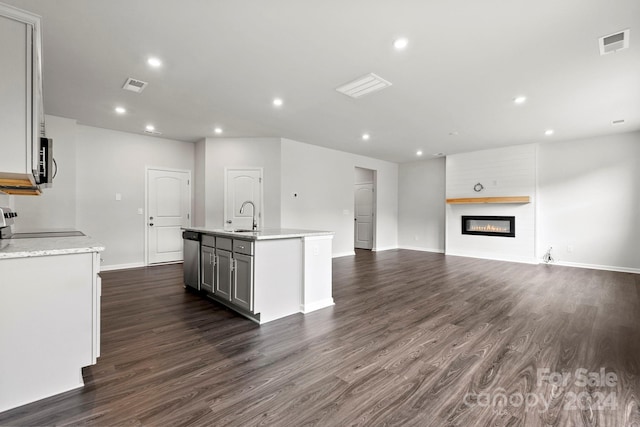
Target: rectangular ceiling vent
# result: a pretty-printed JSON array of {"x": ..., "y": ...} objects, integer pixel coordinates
[
  {"x": 614, "y": 42},
  {"x": 364, "y": 85},
  {"x": 152, "y": 132},
  {"x": 134, "y": 85}
]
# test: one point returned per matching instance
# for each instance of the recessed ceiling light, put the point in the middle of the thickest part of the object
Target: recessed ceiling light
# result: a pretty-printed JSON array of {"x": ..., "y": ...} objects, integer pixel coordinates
[
  {"x": 150, "y": 128},
  {"x": 419, "y": 153},
  {"x": 519, "y": 99},
  {"x": 154, "y": 62},
  {"x": 548, "y": 132},
  {"x": 218, "y": 130},
  {"x": 454, "y": 133},
  {"x": 366, "y": 136},
  {"x": 400, "y": 43},
  {"x": 120, "y": 110},
  {"x": 277, "y": 102}
]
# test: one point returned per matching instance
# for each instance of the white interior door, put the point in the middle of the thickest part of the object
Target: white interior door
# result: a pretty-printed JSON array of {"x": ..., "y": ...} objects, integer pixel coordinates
[
  {"x": 168, "y": 209},
  {"x": 363, "y": 216},
  {"x": 242, "y": 185}
]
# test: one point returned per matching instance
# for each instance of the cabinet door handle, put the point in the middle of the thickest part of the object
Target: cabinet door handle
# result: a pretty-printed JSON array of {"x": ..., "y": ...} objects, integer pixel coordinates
[{"x": 211, "y": 258}]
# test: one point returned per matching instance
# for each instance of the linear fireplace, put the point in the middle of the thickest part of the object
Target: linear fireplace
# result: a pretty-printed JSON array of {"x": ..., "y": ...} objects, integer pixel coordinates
[{"x": 503, "y": 226}]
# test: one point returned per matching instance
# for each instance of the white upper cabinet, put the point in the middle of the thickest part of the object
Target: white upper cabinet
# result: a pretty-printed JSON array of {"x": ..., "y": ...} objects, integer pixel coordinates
[{"x": 21, "y": 113}]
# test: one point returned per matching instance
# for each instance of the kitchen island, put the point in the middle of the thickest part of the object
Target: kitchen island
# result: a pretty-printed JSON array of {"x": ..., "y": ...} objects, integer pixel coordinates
[
  {"x": 267, "y": 274},
  {"x": 49, "y": 316}
]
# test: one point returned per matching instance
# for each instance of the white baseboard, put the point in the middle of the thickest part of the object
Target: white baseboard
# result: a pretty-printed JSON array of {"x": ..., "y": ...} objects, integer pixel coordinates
[
  {"x": 522, "y": 260},
  {"x": 341, "y": 254},
  {"x": 418, "y": 248},
  {"x": 316, "y": 305},
  {"x": 598, "y": 267},
  {"x": 384, "y": 248},
  {"x": 121, "y": 266}
]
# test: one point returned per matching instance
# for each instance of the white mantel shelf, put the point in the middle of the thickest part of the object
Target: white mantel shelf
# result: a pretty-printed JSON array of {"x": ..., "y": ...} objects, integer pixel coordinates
[{"x": 481, "y": 200}]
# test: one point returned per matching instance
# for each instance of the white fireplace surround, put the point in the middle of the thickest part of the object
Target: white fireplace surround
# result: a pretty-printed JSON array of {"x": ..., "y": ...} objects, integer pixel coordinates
[{"x": 503, "y": 172}]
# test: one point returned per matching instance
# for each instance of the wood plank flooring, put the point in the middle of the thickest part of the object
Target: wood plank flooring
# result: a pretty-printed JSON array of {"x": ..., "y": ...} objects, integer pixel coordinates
[{"x": 415, "y": 339}]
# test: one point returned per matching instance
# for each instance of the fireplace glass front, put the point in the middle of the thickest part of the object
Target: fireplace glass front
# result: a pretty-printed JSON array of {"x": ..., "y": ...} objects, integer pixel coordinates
[{"x": 503, "y": 226}]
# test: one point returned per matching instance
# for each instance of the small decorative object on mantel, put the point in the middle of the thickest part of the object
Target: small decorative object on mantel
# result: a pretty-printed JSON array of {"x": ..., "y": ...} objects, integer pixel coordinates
[{"x": 478, "y": 187}]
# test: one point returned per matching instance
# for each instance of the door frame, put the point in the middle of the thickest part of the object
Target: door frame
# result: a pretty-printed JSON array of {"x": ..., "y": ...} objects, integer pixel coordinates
[
  {"x": 225, "y": 203},
  {"x": 145, "y": 214},
  {"x": 374, "y": 219}
]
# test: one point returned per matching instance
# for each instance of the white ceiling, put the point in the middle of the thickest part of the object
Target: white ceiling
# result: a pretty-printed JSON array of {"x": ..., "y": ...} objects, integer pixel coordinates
[{"x": 225, "y": 60}]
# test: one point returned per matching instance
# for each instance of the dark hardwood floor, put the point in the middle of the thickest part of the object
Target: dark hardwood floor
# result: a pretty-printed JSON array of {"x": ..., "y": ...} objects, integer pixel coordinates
[{"x": 415, "y": 339}]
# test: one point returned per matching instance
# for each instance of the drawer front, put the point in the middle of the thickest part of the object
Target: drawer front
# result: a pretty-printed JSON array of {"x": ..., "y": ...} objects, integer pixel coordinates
[
  {"x": 243, "y": 247},
  {"x": 208, "y": 240},
  {"x": 224, "y": 243}
]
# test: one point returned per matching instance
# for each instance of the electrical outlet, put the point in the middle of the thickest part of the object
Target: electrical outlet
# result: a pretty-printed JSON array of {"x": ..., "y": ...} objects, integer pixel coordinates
[
  {"x": 570, "y": 248},
  {"x": 345, "y": 212},
  {"x": 416, "y": 237},
  {"x": 140, "y": 211},
  {"x": 118, "y": 196}
]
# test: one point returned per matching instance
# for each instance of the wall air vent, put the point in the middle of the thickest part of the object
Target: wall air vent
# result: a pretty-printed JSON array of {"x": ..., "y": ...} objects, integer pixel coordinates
[
  {"x": 364, "y": 85},
  {"x": 614, "y": 42},
  {"x": 134, "y": 85}
]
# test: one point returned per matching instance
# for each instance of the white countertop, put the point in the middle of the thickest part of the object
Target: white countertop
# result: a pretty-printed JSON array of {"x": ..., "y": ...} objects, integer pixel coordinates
[
  {"x": 265, "y": 234},
  {"x": 23, "y": 248}
]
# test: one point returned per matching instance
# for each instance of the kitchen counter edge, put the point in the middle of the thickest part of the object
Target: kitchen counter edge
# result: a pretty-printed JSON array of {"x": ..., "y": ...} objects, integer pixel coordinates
[
  {"x": 25, "y": 248},
  {"x": 266, "y": 234}
]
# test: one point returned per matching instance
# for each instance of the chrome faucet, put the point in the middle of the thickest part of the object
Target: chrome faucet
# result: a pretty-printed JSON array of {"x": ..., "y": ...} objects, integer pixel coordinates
[{"x": 254, "y": 223}]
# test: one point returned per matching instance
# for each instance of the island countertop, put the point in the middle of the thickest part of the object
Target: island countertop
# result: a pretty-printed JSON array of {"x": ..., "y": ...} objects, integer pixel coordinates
[
  {"x": 45, "y": 246},
  {"x": 264, "y": 234}
]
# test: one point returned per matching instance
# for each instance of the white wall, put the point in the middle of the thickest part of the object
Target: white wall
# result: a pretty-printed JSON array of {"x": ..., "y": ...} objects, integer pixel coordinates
[
  {"x": 421, "y": 205},
  {"x": 323, "y": 179},
  {"x": 224, "y": 153},
  {"x": 110, "y": 162},
  {"x": 55, "y": 208},
  {"x": 589, "y": 200},
  {"x": 509, "y": 171},
  {"x": 200, "y": 184}
]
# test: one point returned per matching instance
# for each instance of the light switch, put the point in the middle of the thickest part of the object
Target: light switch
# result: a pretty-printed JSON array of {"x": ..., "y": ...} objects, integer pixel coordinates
[
  {"x": 345, "y": 212},
  {"x": 140, "y": 211},
  {"x": 118, "y": 196}
]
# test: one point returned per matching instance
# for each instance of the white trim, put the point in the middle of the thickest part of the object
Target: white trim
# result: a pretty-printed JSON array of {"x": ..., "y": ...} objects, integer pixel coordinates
[
  {"x": 145, "y": 214},
  {"x": 316, "y": 305},
  {"x": 418, "y": 248},
  {"x": 522, "y": 260},
  {"x": 597, "y": 267},
  {"x": 384, "y": 248},
  {"x": 122, "y": 266},
  {"x": 342, "y": 254}
]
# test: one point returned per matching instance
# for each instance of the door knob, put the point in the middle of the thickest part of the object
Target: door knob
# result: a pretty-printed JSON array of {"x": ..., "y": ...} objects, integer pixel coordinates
[
  {"x": 151, "y": 218},
  {"x": 150, "y": 224}
]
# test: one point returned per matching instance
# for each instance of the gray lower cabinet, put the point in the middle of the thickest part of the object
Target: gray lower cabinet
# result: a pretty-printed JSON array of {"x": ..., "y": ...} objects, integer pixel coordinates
[
  {"x": 223, "y": 280},
  {"x": 242, "y": 289},
  {"x": 227, "y": 270},
  {"x": 208, "y": 263}
]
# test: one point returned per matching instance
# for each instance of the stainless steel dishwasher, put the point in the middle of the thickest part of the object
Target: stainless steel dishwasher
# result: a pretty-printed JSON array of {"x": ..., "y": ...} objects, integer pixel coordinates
[{"x": 191, "y": 266}]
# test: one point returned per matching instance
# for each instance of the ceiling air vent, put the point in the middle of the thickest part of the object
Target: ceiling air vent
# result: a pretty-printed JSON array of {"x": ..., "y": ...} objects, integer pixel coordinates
[
  {"x": 614, "y": 42},
  {"x": 617, "y": 122},
  {"x": 152, "y": 132},
  {"x": 134, "y": 85},
  {"x": 364, "y": 85}
]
